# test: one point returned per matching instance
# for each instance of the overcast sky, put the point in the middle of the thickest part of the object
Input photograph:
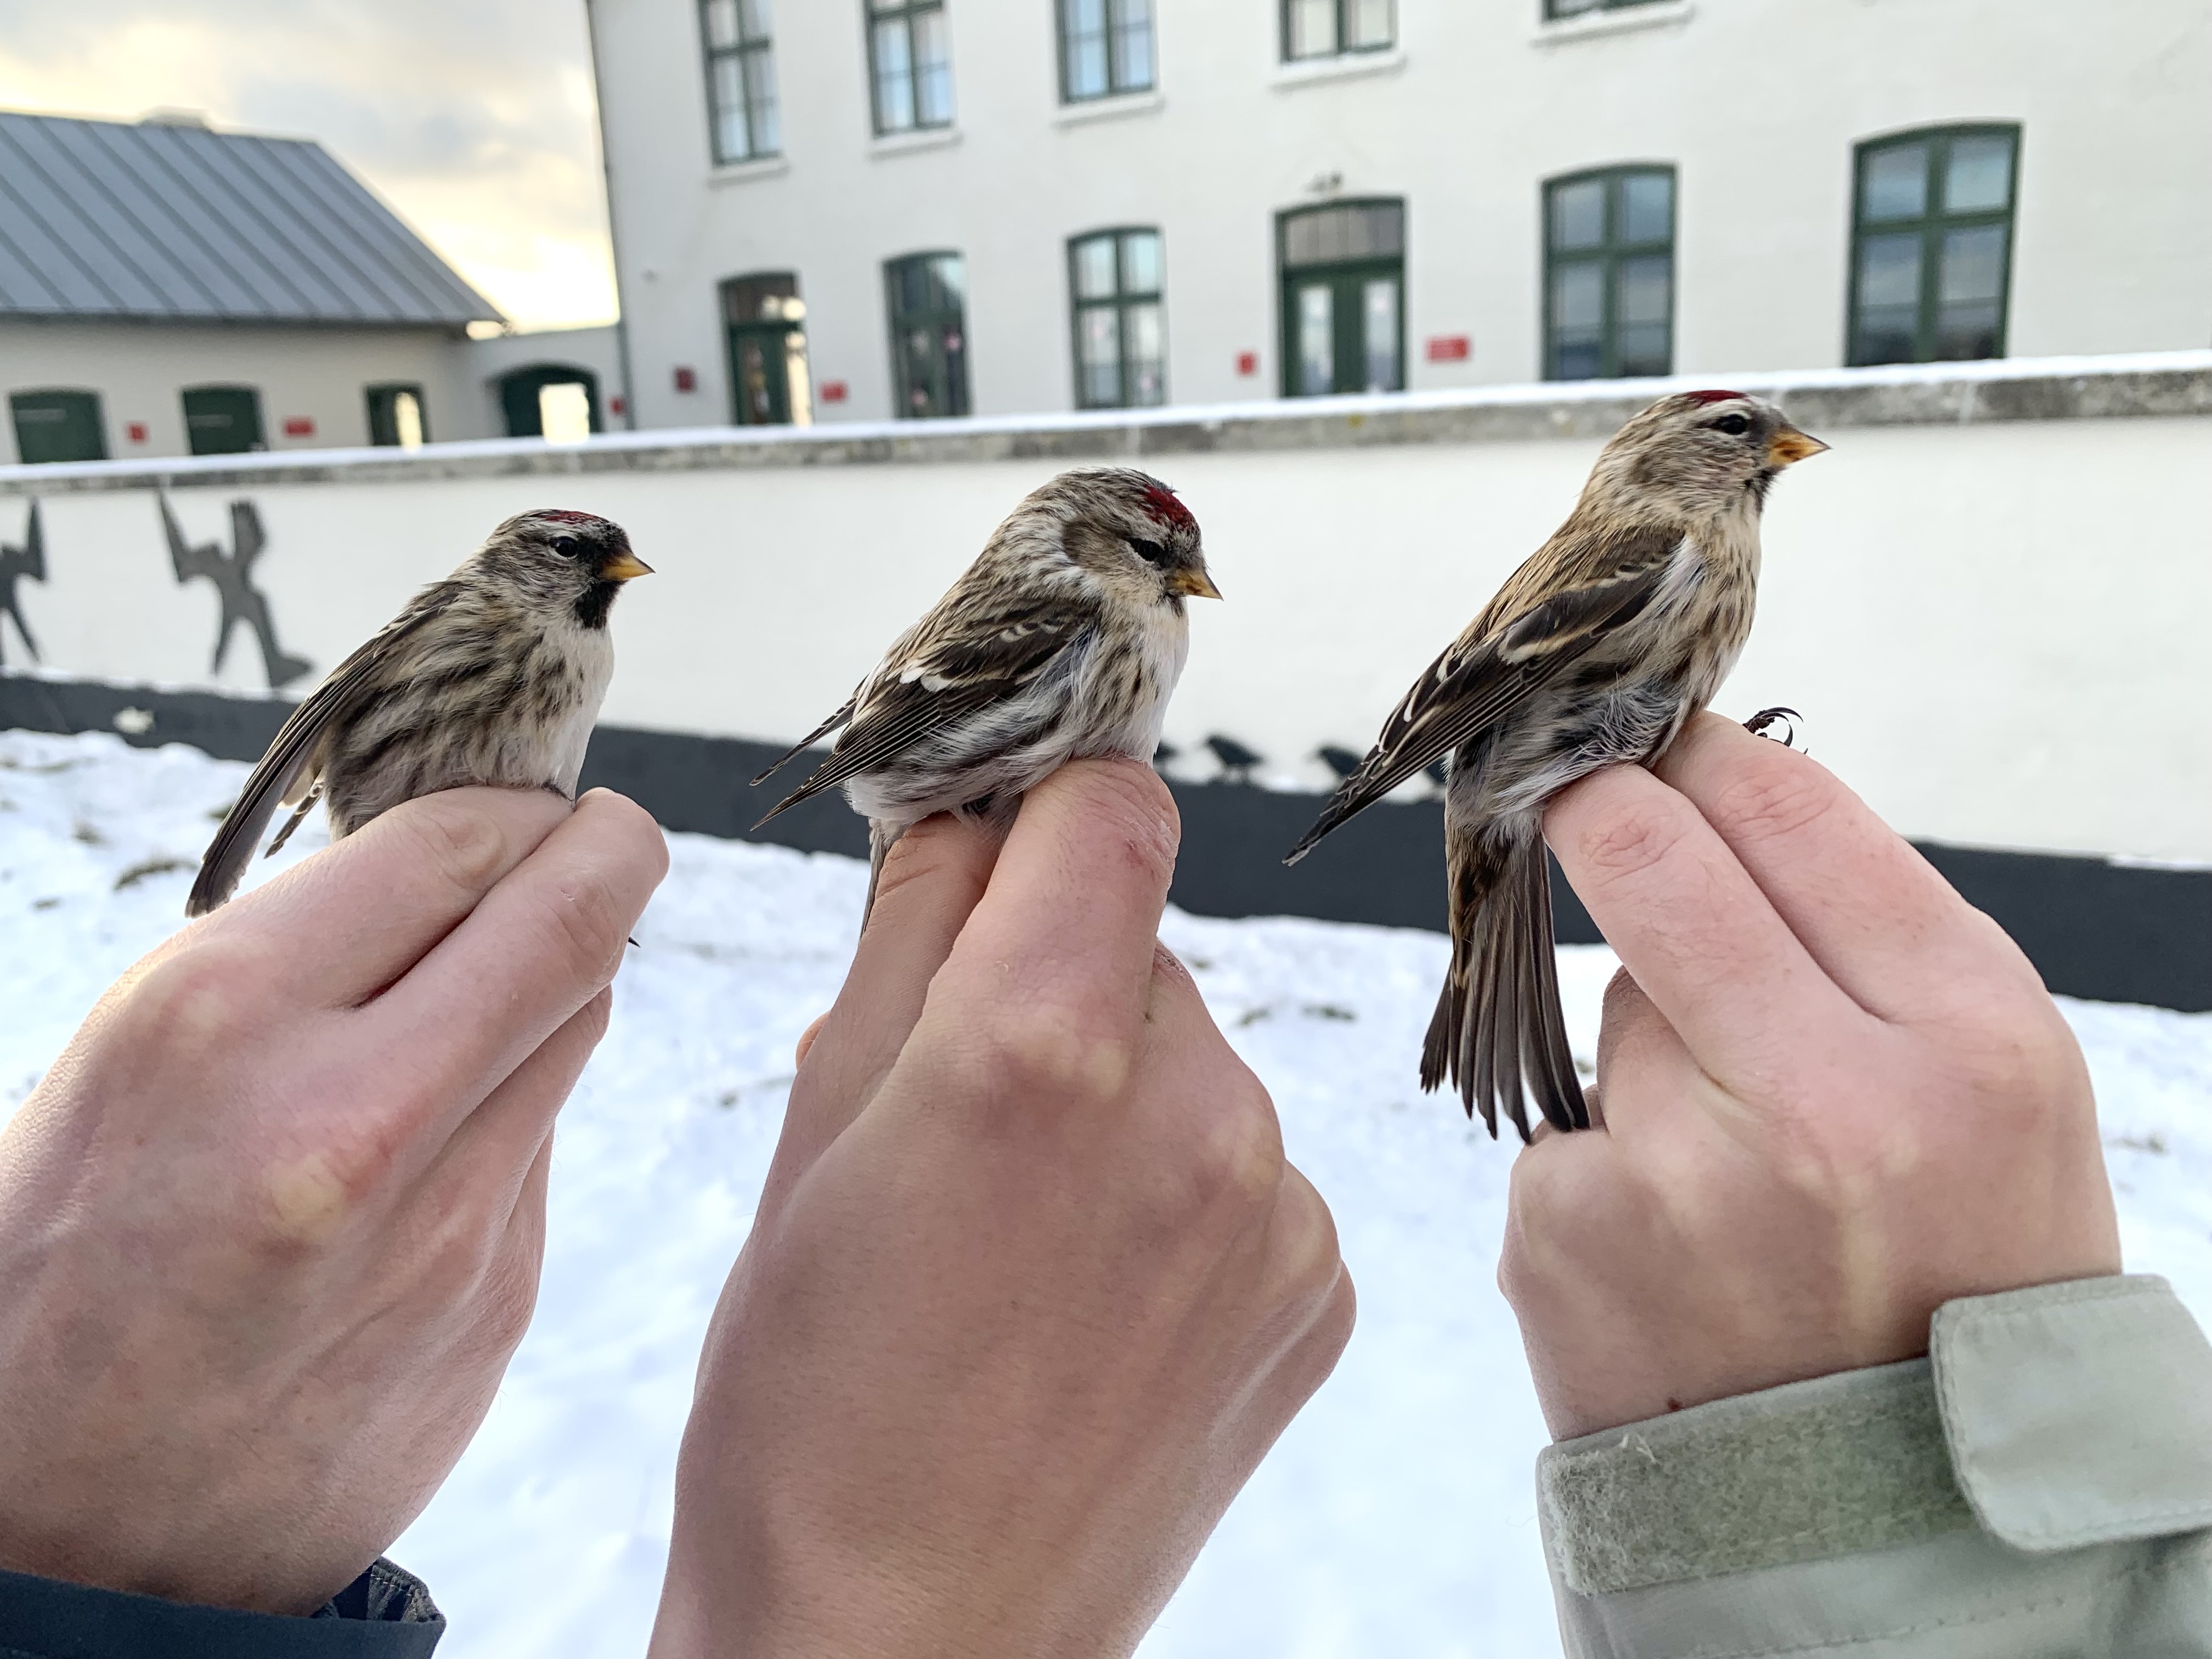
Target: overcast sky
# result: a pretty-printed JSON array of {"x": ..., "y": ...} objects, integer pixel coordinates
[{"x": 473, "y": 118}]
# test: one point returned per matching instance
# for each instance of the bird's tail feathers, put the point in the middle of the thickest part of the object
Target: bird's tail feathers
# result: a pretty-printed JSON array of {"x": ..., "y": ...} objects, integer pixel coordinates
[
  {"x": 1498, "y": 1033},
  {"x": 804, "y": 744}
]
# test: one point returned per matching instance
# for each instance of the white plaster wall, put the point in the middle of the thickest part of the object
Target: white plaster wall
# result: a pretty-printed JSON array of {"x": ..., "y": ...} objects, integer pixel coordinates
[
  {"x": 1758, "y": 104},
  {"x": 1995, "y": 630},
  {"x": 141, "y": 369}
]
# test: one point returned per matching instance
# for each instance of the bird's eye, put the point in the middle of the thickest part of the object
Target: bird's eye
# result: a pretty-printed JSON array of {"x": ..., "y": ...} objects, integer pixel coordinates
[
  {"x": 1735, "y": 425},
  {"x": 1150, "y": 552},
  {"x": 566, "y": 546}
]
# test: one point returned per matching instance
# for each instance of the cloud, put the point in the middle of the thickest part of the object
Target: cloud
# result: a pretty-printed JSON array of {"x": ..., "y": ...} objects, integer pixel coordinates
[{"x": 474, "y": 118}]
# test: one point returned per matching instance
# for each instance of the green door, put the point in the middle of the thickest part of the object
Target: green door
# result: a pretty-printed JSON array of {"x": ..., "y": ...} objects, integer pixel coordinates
[
  {"x": 224, "y": 420},
  {"x": 1344, "y": 332},
  {"x": 519, "y": 389},
  {"x": 766, "y": 324},
  {"x": 396, "y": 419},
  {"x": 58, "y": 426},
  {"x": 1343, "y": 269}
]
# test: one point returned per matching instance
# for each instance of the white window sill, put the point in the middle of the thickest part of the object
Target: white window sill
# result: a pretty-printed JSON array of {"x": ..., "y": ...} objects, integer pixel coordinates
[
  {"x": 1344, "y": 66},
  {"x": 739, "y": 173},
  {"x": 898, "y": 143},
  {"x": 1654, "y": 15},
  {"x": 1108, "y": 109}
]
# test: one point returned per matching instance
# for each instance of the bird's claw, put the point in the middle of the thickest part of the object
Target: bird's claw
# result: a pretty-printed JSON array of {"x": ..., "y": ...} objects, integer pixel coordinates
[{"x": 1758, "y": 723}]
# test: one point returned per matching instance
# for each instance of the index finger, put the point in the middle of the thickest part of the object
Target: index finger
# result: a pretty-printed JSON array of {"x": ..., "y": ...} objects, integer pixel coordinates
[
  {"x": 1060, "y": 944},
  {"x": 1689, "y": 923},
  {"x": 349, "y": 921}
]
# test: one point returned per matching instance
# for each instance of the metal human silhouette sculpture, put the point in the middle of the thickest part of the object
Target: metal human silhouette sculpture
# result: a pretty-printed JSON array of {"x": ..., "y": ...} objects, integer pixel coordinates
[
  {"x": 232, "y": 573},
  {"x": 15, "y": 563}
]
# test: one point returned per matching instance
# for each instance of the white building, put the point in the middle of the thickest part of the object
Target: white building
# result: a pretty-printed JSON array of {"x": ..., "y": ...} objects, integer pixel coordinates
[
  {"x": 166, "y": 289},
  {"x": 853, "y": 208}
]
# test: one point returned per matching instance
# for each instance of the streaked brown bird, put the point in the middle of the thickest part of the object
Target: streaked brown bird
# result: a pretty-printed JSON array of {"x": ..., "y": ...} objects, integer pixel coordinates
[
  {"x": 1595, "y": 652},
  {"x": 1063, "y": 640},
  {"x": 493, "y": 676}
]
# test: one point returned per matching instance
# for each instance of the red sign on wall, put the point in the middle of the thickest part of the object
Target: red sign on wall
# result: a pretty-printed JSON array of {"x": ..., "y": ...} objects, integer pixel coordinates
[
  {"x": 1248, "y": 363},
  {"x": 833, "y": 392},
  {"x": 1449, "y": 348},
  {"x": 299, "y": 426}
]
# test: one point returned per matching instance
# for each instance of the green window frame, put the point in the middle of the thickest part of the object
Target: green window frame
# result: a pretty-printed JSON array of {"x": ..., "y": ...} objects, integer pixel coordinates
[
  {"x": 737, "y": 40},
  {"x": 1335, "y": 29},
  {"x": 1932, "y": 214},
  {"x": 1556, "y": 9},
  {"x": 925, "y": 295},
  {"x": 909, "y": 65},
  {"x": 1105, "y": 48},
  {"x": 1114, "y": 283},
  {"x": 224, "y": 420},
  {"x": 1342, "y": 282},
  {"x": 1609, "y": 273},
  {"x": 398, "y": 418},
  {"x": 57, "y": 423},
  {"x": 764, "y": 333}
]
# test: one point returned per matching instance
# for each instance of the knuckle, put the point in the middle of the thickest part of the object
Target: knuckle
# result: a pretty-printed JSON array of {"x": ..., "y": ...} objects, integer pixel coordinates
[
  {"x": 1041, "y": 1050},
  {"x": 581, "y": 915},
  {"x": 458, "y": 839},
  {"x": 1778, "y": 796},
  {"x": 195, "y": 1000},
  {"x": 1236, "y": 1164},
  {"x": 1630, "y": 844},
  {"x": 1131, "y": 815}
]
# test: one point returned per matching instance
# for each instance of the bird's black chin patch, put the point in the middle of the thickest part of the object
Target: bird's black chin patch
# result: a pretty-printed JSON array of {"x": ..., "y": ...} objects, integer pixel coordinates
[{"x": 593, "y": 604}]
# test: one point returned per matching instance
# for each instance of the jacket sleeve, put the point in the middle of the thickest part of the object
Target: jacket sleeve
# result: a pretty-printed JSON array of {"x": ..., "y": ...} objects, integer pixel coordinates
[
  {"x": 384, "y": 1614},
  {"x": 2039, "y": 1487}
]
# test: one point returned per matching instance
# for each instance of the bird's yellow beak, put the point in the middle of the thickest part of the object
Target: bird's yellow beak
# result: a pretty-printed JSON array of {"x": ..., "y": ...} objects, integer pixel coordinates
[
  {"x": 624, "y": 567},
  {"x": 1196, "y": 583},
  {"x": 1789, "y": 445}
]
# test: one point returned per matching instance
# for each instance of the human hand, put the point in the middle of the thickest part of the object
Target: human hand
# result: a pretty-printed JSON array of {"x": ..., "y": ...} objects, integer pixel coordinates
[
  {"x": 270, "y": 1227},
  {"x": 1031, "y": 1289},
  {"x": 1834, "y": 1096}
]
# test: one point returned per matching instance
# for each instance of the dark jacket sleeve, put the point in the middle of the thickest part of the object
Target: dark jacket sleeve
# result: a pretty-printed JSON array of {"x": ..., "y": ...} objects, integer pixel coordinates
[{"x": 384, "y": 1614}]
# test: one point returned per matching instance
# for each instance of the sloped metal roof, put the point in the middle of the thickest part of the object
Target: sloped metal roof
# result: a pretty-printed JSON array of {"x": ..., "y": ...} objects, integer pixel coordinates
[{"x": 99, "y": 219}]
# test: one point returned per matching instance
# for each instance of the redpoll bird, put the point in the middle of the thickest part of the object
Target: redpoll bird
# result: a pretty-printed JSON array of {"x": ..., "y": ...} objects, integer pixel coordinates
[
  {"x": 1062, "y": 640},
  {"x": 493, "y": 676},
  {"x": 1596, "y": 651}
]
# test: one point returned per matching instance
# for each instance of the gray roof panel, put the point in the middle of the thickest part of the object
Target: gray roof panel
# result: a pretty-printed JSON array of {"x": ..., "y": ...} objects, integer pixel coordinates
[{"x": 102, "y": 219}]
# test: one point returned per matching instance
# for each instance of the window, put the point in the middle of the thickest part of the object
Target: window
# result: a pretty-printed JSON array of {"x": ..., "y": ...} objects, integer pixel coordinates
[
  {"x": 396, "y": 418},
  {"x": 740, "y": 79},
  {"x": 224, "y": 420},
  {"x": 929, "y": 334},
  {"x": 764, "y": 321},
  {"x": 1343, "y": 298},
  {"x": 1931, "y": 245},
  {"x": 910, "y": 62},
  {"x": 1322, "y": 28},
  {"x": 1119, "y": 343},
  {"x": 57, "y": 426},
  {"x": 1609, "y": 274},
  {"x": 1555, "y": 9},
  {"x": 1105, "y": 48}
]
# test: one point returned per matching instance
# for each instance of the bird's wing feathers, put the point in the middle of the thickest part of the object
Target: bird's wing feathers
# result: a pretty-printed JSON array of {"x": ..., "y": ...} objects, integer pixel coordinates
[
  {"x": 954, "y": 663},
  {"x": 294, "y": 748},
  {"x": 1522, "y": 639}
]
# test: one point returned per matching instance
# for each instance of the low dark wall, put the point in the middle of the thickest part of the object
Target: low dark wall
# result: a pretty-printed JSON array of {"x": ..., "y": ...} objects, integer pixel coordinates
[{"x": 2093, "y": 929}]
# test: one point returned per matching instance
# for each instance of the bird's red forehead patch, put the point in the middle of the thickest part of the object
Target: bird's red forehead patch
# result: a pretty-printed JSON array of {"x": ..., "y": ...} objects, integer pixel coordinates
[
  {"x": 1711, "y": 397},
  {"x": 567, "y": 515},
  {"x": 1161, "y": 508}
]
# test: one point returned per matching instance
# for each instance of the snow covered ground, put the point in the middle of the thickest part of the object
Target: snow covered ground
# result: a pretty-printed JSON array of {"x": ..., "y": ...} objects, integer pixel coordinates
[{"x": 1396, "y": 1517}]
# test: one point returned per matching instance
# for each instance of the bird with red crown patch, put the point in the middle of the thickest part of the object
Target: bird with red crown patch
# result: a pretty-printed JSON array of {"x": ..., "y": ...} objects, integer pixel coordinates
[
  {"x": 1594, "y": 652},
  {"x": 493, "y": 676},
  {"x": 1062, "y": 640}
]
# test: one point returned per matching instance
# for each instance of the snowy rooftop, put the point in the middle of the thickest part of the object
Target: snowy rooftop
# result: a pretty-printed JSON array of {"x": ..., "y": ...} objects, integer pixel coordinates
[
  {"x": 1397, "y": 1517},
  {"x": 2165, "y": 383}
]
